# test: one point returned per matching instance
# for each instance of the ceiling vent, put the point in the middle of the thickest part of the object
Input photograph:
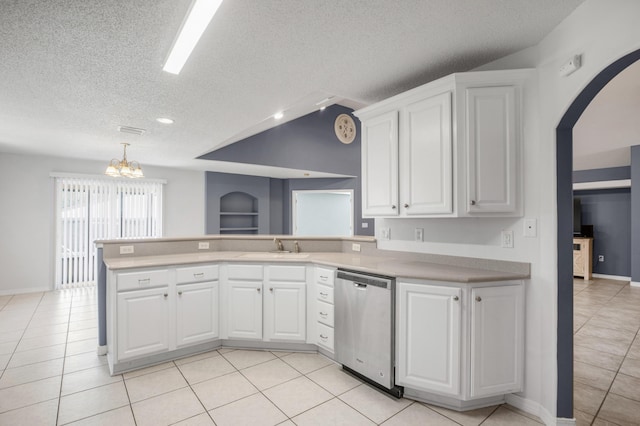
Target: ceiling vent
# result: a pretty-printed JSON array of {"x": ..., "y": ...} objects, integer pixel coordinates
[{"x": 132, "y": 130}]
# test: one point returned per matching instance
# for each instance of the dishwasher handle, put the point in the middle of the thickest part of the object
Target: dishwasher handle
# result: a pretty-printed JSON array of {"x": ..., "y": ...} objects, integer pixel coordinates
[{"x": 360, "y": 286}]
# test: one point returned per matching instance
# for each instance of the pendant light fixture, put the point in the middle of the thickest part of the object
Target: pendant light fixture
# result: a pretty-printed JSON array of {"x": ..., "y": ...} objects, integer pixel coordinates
[{"x": 124, "y": 168}]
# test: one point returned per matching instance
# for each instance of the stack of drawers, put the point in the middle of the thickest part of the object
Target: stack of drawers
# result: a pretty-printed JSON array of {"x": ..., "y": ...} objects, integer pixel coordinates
[{"x": 324, "y": 279}]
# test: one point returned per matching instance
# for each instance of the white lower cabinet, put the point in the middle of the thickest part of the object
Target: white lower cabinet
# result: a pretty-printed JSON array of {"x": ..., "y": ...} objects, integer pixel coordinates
[
  {"x": 285, "y": 312},
  {"x": 143, "y": 322},
  {"x": 459, "y": 340},
  {"x": 196, "y": 313},
  {"x": 429, "y": 337},
  {"x": 497, "y": 340},
  {"x": 156, "y": 311},
  {"x": 244, "y": 310},
  {"x": 266, "y": 302}
]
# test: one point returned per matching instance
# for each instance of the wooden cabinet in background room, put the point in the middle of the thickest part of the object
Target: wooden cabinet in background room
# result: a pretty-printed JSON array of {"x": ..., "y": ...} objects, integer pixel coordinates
[{"x": 583, "y": 257}]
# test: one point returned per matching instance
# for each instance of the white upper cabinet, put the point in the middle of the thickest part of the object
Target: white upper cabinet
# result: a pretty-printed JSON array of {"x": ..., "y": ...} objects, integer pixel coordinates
[
  {"x": 456, "y": 150},
  {"x": 380, "y": 165},
  {"x": 491, "y": 149},
  {"x": 427, "y": 157}
]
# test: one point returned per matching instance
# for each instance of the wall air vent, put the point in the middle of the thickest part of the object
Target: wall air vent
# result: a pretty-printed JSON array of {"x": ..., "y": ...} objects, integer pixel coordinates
[{"x": 132, "y": 130}]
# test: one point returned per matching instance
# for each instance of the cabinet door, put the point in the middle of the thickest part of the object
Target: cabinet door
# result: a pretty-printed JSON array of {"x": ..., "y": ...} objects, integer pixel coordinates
[
  {"x": 492, "y": 145},
  {"x": 426, "y": 179},
  {"x": 380, "y": 165},
  {"x": 244, "y": 310},
  {"x": 143, "y": 322},
  {"x": 428, "y": 338},
  {"x": 285, "y": 311},
  {"x": 497, "y": 340},
  {"x": 196, "y": 313}
]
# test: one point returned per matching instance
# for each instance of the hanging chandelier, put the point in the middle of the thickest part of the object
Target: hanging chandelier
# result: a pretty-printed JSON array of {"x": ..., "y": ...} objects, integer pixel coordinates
[{"x": 124, "y": 168}]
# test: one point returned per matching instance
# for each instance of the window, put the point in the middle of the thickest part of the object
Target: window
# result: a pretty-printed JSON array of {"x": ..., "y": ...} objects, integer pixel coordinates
[
  {"x": 323, "y": 212},
  {"x": 89, "y": 209}
]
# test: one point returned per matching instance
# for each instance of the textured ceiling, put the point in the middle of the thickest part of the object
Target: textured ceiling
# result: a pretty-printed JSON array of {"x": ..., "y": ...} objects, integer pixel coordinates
[{"x": 72, "y": 71}]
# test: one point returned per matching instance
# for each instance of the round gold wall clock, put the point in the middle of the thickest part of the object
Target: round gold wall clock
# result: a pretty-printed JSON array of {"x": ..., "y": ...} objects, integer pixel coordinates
[{"x": 345, "y": 128}]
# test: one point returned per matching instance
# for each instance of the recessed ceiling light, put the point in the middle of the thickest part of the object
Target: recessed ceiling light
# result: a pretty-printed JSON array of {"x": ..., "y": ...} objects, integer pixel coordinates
[
  {"x": 197, "y": 20},
  {"x": 278, "y": 115},
  {"x": 322, "y": 108},
  {"x": 164, "y": 120}
]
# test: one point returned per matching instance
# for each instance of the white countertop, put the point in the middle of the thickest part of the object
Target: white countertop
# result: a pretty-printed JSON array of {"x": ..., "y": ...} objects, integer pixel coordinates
[{"x": 389, "y": 266}]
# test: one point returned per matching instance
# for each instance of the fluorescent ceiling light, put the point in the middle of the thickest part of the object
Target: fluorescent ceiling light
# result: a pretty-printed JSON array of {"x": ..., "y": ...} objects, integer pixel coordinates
[
  {"x": 164, "y": 120},
  {"x": 197, "y": 20}
]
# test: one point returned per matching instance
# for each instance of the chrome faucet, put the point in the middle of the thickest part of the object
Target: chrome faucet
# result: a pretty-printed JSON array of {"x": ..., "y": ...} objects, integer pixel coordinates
[
  {"x": 278, "y": 244},
  {"x": 296, "y": 247}
]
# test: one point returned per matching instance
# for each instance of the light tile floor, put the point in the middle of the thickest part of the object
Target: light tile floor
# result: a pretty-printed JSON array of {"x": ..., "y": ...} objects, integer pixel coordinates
[
  {"x": 606, "y": 352},
  {"x": 50, "y": 374}
]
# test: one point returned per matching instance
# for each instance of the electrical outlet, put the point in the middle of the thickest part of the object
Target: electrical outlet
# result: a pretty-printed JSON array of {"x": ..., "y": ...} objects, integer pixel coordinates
[
  {"x": 126, "y": 249},
  {"x": 355, "y": 247},
  {"x": 507, "y": 239},
  {"x": 203, "y": 245},
  {"x": 601, "y": 258},
  {"x": 418, "y": 234},
  {"x": 365, "y": 225},
  {"x": 385, "y": 233}
]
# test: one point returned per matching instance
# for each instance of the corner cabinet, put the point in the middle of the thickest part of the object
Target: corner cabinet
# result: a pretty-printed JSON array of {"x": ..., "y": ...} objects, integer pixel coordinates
[
  {"x": 449, "y": 148},
  {"x": 458, "y": 341}
]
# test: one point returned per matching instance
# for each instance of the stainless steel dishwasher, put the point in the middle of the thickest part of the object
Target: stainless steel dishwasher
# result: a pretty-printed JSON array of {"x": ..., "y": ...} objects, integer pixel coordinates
[{"x": 365, "y": 329}]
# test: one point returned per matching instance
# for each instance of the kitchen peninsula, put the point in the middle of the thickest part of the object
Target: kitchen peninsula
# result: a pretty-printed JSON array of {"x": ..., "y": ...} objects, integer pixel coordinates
[{"x": 162, "y": 299}]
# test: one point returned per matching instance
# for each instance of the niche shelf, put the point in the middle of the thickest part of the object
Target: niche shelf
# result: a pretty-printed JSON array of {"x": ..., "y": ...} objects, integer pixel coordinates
[{"x": 238, "y": 213}]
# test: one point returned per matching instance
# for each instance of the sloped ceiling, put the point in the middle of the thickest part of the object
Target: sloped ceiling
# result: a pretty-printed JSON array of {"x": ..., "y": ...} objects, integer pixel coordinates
[
  {"x": 610, "y": 124},
  {"x": 72, "y": 71}
]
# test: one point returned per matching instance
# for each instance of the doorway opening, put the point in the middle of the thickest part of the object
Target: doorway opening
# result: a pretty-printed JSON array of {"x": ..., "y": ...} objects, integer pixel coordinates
[{"x": 564, "y": 169}]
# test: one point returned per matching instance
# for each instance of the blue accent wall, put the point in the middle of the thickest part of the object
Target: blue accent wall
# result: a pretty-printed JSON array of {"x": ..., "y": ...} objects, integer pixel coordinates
[
  {"x": 609, "y": 211},
  {"x": 220, "y": 184},
  {"x": 307, "y": 143},
  {"x": 635, "y": 213},
  {"x": 597, "y": 175}
]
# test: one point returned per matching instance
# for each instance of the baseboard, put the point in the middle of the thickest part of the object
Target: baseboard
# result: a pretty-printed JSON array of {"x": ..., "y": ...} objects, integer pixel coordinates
[
  {"x": 14, "y": 291},
  {"x": 611, "y": 277},
  {"x": 536, "y": 409},
  {"x": 635, "y": 284}
]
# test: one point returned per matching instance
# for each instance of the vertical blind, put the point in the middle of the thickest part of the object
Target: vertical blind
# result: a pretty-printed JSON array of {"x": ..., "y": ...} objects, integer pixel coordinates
[{"x": 89, "y": 209}]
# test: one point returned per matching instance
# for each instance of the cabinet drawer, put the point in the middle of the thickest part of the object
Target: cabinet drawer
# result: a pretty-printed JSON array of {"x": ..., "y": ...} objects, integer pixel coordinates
[
  {"x": 325, "y": 276},
  {"x": 244, "y": 272},
  {"x": 324, "y": 293},
  {"x": 324, "y": 313},
  {"x": 287, "y": 273},
  {"x": 142, "y": 279},
  {"x": 325, "y": 336},
  {"x": 196, "y": 274}
]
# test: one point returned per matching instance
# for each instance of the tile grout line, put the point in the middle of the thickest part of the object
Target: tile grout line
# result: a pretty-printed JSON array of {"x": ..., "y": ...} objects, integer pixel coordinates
[
  {"x": 595, "y": 417},
  {"x": 194, "y": 392}
]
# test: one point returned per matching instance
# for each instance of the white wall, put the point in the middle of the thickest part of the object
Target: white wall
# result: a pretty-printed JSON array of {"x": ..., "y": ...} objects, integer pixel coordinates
[
  {"x": 602, "y": 31},
  {"x": 27, "y": 213}
]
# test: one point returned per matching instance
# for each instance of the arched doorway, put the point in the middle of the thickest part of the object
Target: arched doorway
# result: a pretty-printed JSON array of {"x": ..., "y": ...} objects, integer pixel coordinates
[{"x": 564, "y": 168}]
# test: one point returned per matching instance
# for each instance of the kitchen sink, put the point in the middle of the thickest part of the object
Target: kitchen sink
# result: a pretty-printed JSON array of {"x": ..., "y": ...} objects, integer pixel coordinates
[{"x": 274, "y": 255}]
